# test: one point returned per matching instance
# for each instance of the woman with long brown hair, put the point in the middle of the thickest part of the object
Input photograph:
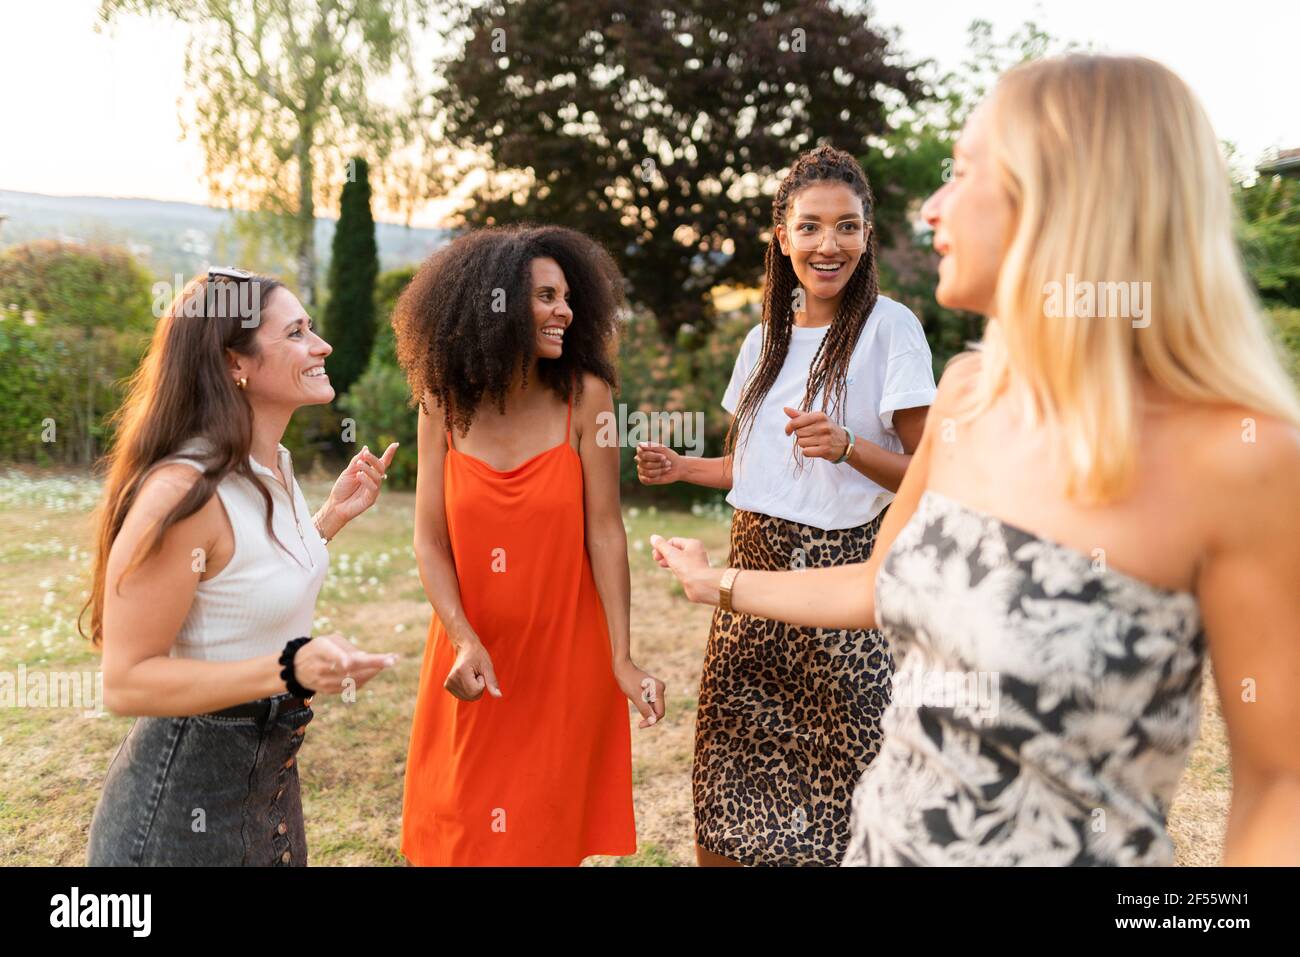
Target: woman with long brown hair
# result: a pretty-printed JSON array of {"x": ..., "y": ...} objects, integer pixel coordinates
[
  {"x": 207, "y": 567},
  {"x": 1106, "y": 492},
  {"x": 829, "y": 396}
]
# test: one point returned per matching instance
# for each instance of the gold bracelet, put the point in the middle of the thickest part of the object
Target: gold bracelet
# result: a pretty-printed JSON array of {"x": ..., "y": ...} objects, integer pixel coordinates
[{"x": 724, "y": 588}]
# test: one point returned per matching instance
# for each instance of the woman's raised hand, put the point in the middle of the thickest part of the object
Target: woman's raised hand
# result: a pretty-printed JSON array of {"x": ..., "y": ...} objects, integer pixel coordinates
[
  {"x": 471, "y": 674},
  {"x": 326, "y": 664},
  {"x": 657, "y": 464},
  {"x": 358, "y": 484}
]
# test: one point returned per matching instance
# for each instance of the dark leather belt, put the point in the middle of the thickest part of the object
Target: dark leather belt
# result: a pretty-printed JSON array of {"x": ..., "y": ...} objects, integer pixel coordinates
[{"x": 260, "y": 709}]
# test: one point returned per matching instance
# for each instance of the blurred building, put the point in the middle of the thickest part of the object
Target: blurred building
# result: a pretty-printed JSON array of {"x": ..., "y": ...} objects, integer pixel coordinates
[{"x": 1284, "y": 163}]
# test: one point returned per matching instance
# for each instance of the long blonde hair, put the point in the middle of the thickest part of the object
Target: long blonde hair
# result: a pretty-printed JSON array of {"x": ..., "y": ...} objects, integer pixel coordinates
[{"x": 1116, "y": 177}]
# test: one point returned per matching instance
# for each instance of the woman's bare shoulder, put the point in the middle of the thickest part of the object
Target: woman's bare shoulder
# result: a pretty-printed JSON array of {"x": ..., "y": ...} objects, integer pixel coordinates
[
  {"x": 1242, "y": 468},
  {"x": 165, "y": 487},
  {"x": 1237, "y": 447},
  {"x": 596, "y": 395},
  {"x": 593, "y": 384},
  {"x": 958, "y": 376}
]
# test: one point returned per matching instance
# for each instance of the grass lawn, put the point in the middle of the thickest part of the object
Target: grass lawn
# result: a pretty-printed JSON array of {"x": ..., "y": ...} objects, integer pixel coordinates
[{"x": 352, "y": 764}]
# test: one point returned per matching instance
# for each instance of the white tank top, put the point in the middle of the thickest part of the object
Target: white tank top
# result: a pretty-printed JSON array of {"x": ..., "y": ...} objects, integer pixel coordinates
[{"x": 263, "y": 597}]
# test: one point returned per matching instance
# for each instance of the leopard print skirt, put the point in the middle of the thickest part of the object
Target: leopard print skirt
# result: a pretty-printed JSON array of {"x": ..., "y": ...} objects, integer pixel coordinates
[{"x": 788, "y": 717}]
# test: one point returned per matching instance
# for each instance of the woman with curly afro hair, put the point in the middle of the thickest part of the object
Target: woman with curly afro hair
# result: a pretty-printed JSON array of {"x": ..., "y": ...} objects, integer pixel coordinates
[{"x": 506, "y": 337}]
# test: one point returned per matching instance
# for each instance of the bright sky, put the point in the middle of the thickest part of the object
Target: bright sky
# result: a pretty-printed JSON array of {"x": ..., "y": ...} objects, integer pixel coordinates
[{"x": 89, "y": 113}]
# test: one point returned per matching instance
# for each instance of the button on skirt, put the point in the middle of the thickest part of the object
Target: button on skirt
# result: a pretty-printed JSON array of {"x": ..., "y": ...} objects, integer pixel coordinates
[{"x": 204, "y": 790}]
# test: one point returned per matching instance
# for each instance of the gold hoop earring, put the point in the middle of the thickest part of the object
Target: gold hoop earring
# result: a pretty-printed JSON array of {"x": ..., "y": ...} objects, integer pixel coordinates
[{"x": 242, "y": 381}]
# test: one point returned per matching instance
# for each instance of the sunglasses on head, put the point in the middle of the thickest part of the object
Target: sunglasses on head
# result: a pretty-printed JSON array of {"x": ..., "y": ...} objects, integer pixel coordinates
[{"x": 228, "y": 272}]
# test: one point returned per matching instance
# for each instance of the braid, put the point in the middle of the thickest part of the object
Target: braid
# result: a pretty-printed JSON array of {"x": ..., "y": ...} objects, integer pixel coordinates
[{"x": 828, "y": 371}]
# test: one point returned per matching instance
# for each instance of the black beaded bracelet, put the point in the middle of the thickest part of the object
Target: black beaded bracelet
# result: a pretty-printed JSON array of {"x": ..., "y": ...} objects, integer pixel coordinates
[{"x": 286, "y": 673}]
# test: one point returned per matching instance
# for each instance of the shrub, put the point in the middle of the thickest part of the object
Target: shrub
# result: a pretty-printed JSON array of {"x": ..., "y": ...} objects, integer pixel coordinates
[
  {"x": 379, "y": 400},
  {"x": 91, "y": 309},
  {"x": 690, "y": 377},
  {"x": 35, "y": 390},
  {"x": 1287, "y": 323}
]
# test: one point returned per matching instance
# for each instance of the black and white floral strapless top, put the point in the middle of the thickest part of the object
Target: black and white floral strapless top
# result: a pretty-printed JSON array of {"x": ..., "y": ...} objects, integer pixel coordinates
[{"x": 1044, "y": 705}]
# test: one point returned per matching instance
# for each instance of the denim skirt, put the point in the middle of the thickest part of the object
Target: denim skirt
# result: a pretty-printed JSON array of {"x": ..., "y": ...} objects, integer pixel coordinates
[{"x": 204, "y": 790}]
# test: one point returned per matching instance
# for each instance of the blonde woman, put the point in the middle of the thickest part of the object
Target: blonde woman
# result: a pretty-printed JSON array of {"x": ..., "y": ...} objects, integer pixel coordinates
[{"x": 1097, "y": 501}]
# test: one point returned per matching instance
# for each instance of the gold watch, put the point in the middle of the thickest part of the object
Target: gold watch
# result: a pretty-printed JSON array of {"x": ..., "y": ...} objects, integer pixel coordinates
[{"x": 724, "y": 588}]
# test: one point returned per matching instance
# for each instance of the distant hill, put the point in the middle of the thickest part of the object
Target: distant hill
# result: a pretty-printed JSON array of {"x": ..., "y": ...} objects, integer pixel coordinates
[{"x": 171, "y": 237}]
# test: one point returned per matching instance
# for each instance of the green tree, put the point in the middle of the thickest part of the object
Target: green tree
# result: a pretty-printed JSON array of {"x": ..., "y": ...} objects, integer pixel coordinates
[
  {"x": 93, "y": 303},
  {"x": 657, "y": 128},
  {"x": 1269, "y": 232},
  {"x": 1286, "y": 323},
  {"x": 261, "y": 242},
  {"x": 354, "y": 263},
  {"x": 379, "y": 401},
  {"x": 281, "y": 96}
]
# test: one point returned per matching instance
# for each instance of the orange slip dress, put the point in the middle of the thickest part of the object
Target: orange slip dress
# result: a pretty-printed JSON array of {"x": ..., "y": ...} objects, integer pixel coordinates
[{"x": 543, "y": 774}]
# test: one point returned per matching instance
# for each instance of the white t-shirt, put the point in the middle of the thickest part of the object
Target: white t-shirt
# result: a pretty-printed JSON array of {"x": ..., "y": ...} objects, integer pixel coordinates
[{"x": 890, "y": 369}]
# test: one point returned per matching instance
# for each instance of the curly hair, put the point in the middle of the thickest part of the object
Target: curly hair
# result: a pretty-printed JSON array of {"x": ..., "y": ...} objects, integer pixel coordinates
[
  {"x": 829, "y": 366},
  {"x": 464, "y": 324}
]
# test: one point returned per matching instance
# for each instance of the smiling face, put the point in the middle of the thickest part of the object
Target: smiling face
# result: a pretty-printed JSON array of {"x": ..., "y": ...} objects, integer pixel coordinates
[
  {"x": 837, "y": 211},
  {"x": 551, "y": 312},
  {"x": 972, "y": 216},
  {"x": 289, "y": 369}
]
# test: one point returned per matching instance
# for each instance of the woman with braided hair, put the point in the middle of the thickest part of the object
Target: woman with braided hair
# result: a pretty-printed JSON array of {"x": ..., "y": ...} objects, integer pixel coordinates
[{"x": 829, "y": 397}]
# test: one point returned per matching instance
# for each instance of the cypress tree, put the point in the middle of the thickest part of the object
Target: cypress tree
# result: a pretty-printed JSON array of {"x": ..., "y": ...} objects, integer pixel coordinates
[{"x": 354, "y": 264}]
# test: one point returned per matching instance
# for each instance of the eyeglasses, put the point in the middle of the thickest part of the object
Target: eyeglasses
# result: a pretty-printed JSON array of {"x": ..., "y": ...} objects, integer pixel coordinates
[{"x": 850, "y": 234}]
